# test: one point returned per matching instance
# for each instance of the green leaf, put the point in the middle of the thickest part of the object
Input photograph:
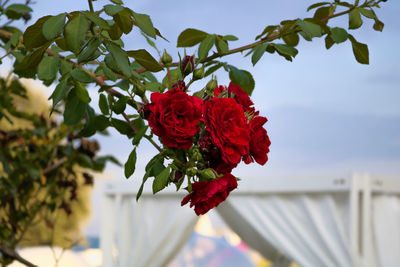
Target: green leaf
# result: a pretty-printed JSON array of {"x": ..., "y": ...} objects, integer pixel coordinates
[
  {"x": 75, "y": 32},
  {"x": 33, "y": 36},
  {"x": 328, "y": 42},
  {"x": 258, "y": 53},
  {"x": 122, "y": 126},
  {"x": 139, "y": 135},
  {"x": 118, "y": 2},
  {"x": 191, "y": 37},
  {"x": 81, "y": 76},
  {"x": 230, "y": 38},
  {"x": 317, "y": 5},
  {"x": 82, "y": 93},
  {"x": 53, "y": 27},
  {"x": 89, "y": 50},
  {"x": 175, "y": 75},
  {"x": 103, "y": 105},
  {"x": 145, "y": 59},
  {"x": 222, "y": 46},
  {"x": 338, "y": 35},
  {"x": 291, "y": 39},
  {"x": 115, "y": 32},
  {"x": 20, "y": 8},
  {"x": 65, "y": 67},
  {"x": 309, "y": 28},
  {"x": 161, "y": 180},
  {"x": 355, "y": 20},
  {"x": 48, "y": 68},
  {"x": 60, "y": 91},
  {"x": 96, "y": 20},
  {"x": 144, "y": 23},
  {"x": 109, "y": 73},
  {"x": 121, "y": 59},
  {"x": 360, "y": 51},
  {"x": 74, "y": 109},
  {"x": 378, "y": 25},
  {"x": 205, "y": 46},
  {"x": 368, "y": 13},
  {"x": 242, "y": 78},
  {"x": 269, "y": 29},
  {"x": 124, "y": 20},
  {"x": 286, "y": 49},
  {"x": 120, "y": 105},
  {"x": 113, "y": 9},
  {"x": 212, "y": 69},
  {"x": 130, "y": 164}
]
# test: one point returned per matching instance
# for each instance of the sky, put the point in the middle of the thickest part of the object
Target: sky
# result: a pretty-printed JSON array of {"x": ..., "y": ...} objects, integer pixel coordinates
[{"x": 328, "y": 115}]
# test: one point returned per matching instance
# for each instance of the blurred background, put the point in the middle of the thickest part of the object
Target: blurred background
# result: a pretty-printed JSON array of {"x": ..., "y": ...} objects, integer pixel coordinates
[{"x": 327, "y": 114}]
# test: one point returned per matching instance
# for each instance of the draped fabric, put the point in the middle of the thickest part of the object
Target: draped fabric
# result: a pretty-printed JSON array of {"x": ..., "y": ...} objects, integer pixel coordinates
[
  {"x": 150, "y": 232},
  {"x": 311, "y": 229}
]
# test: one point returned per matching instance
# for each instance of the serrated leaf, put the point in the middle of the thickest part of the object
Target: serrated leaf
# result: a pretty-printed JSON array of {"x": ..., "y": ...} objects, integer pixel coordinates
[
  {"x": 75, "y": 32},
  {"x": 53, "y": 27},
  {"x": 82, "y": 93},
  {"x": 205, "y": 46},
  {"x": 103, "y": 105},
  {"x": 328, "y": 42},
  {"x": 130, "y": 164},
  {"x": 74, "y": 109},
  {"x": 230, "y": 38},
  {"x": 368, "y": 13},
  {"x": 161, "y": 180},
  {"x": 291, "y": 39},
  {"x": 145, "y": 59},
  {"x": 309, "y": 28},
  {"x": 48, "y": 68},
  {"x": 360, "y": 51},
  {"x": 286, "y": 49},
  {"x": 317, "y": 5},
  {"x": 59, "y": 92},
  {"x": 124, "y": 20},
  {"x": 121, "y": 59},
  {"x": 222, "y": 46},
  {"x": 81, "y": 76},
  {"x": 113, "y": 9},
  {"x": 33, "y": 36},
  {"x": 143, "y": 21},
  {"x": 355, "y": 20},
  {"x": 242, "y": 78},
  {"x": 191, "y": 37},
  {"x": 338, "y": 35},
  {"x": 258, "y": 53},
  {"x": 93, "y": 17}
]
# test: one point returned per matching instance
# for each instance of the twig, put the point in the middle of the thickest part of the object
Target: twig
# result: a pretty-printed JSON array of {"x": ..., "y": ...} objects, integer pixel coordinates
[{"x": 14, "y": 254}]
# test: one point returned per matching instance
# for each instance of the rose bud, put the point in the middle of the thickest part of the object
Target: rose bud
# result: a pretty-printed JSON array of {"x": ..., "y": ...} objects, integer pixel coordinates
[
  {"x": 211, "y": 85},
  {"x": 191, "y": 172},
  {"x": 166, "y": 58},
  {"x": 178, "y": 175},
  {"x": 198, "y": 74},
  {"x": 209, "y": 174},
  {"x": 187, "y": 65}
]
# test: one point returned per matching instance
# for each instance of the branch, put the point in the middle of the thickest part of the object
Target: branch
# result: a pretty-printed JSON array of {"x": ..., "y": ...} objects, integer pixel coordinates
[{"x": 13, "y": 254}]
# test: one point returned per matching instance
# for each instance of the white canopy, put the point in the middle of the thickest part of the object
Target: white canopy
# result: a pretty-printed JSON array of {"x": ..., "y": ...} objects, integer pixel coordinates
[{"x": 313, "y": 221}]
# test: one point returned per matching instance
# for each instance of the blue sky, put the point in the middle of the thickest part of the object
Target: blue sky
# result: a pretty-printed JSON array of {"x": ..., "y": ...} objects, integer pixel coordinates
[{"x": 328, "y": 115}]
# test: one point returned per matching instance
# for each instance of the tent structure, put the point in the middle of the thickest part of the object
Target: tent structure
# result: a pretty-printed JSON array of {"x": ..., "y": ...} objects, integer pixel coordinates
[{"x": 353, "y": 221}]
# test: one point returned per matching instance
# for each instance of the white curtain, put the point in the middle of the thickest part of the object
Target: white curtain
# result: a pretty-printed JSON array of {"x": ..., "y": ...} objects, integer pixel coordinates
[
  {"x": 386, "y": 228},
  {"x": 150, "y": 232},
  {"x": 311, "y": 229}
]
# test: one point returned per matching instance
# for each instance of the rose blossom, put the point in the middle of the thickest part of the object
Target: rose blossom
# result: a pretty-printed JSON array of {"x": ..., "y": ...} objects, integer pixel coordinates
[
  {"x": 227, "y": 125},
  {"x": 174, "y": 116},
  {"x": 238, "y": 94},
  {"x": 206, "y": 195},
  {"x": 259, "y": 141}
]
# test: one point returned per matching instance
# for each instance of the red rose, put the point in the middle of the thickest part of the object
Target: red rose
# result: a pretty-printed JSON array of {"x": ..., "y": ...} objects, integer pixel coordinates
[
  {"x": 206, "y": 195},
  {"x": 226, "y": 123},
  {"x": 259, "y": 142},
  {"x": 174, "y": 117},
  {"x": 239, "y": 95}
]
